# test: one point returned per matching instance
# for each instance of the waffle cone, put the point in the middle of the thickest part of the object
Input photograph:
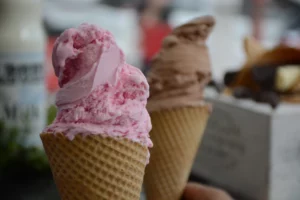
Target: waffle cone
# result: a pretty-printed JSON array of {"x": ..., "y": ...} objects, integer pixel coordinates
[
  {"x": 95, "y": 167},
  {"x": 176, "y": 135}
]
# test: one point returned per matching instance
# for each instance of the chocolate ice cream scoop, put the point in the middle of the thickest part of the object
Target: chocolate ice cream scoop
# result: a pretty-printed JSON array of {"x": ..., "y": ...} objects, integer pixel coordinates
[{"x": 181, "y": 70}]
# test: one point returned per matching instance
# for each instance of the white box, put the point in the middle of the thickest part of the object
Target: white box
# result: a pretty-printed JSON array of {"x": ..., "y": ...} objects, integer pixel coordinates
[{"x": 252, "y": 150}]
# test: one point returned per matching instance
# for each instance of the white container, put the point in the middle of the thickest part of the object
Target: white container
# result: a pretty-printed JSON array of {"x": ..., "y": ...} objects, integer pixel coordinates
[
  {"x": 252, "y": 150},
  {"x": 22, "y": 88}
]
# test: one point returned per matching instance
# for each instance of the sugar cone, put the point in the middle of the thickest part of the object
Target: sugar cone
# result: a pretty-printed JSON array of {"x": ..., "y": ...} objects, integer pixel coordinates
[
  {"x": 95, "y": 167},
  {"x": 176, "y": 135}
]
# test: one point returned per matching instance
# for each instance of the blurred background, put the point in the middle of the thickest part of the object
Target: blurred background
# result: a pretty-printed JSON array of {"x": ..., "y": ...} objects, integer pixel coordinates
[{"x": 28, "y": 29}]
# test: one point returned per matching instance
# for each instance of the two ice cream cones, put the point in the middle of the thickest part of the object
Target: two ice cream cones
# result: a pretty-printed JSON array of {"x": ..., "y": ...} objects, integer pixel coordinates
[{"x": 98, "y": 144}]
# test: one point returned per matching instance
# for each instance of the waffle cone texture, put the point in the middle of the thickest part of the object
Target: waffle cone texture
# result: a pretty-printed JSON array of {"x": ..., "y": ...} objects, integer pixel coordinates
[
  {"x": 176, "y": 135},
  {"x": 95, "y": 167}
]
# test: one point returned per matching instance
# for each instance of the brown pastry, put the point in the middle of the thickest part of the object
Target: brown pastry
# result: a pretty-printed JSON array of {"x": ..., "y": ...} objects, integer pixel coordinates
[{"x": 275, "y": 71}]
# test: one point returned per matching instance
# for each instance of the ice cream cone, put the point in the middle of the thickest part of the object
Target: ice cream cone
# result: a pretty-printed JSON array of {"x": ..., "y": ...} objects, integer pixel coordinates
[
  {"x": 176, "y": 135},
  {"x": 96, "y": 167},
  {"x": 177, "y": 78}
]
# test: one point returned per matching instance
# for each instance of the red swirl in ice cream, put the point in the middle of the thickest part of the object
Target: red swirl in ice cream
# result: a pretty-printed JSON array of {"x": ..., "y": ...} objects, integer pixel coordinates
[{"x": 99, "y": 93}]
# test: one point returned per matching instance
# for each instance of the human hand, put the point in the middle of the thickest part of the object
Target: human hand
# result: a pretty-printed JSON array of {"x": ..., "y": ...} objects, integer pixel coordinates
[{"x": 195, "y": 191}]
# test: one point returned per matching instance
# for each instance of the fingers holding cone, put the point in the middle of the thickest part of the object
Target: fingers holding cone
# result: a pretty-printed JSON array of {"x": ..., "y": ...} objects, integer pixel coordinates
[{"x": 195, "y": 191}]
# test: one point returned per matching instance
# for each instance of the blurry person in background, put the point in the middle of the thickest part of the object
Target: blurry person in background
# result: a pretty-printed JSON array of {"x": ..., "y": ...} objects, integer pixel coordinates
[{"x": 153, "y": 21}]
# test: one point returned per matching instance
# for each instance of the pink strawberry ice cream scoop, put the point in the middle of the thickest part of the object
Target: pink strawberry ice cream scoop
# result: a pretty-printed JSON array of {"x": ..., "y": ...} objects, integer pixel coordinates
[{"x": 99, "y": 93}]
